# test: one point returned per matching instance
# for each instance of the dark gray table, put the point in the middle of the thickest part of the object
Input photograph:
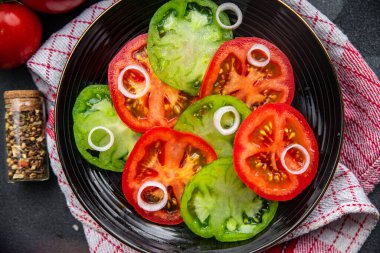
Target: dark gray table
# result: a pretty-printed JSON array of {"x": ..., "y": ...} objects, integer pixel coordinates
[{"x": 34, "y": 216}]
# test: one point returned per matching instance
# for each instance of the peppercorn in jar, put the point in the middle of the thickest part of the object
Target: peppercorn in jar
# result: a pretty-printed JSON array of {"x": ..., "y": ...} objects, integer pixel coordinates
[{"x": 25, "y": 136}]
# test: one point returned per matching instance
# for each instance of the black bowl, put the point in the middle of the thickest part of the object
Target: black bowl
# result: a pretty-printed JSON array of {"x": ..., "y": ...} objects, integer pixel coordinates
[{"x": 317, "y": 97}]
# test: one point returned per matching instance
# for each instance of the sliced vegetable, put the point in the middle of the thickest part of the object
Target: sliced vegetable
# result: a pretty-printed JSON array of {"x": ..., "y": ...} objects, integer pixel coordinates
[
  {"x": 218, "y": 115},
  {"x": 216, "y": 203},
  {"x": 141, "y": 99},
  {"x": 261, "y": 62},
  {"x": 170, "y": 159},
  {"x": 199, "y": 119},
  {"x": 124, "y": 91},
  {"x": 231, "y": 73},
  {"x": 273, "y": 136},
  {"x": 101, "y": 137},
  {"x": 304, "y": 153},
  {"x": 156, "y": 206},
  {"x": 230, "y": 7},
  {"x": 106, "y": 146},
  {"x": 183, "y": 37}
]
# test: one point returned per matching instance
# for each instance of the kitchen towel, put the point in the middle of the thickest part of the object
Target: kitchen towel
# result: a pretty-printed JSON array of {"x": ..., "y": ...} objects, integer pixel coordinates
[{"x": 342, "y": 220}]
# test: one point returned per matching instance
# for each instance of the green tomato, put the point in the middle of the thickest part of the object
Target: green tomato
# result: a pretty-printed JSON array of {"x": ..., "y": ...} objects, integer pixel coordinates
[
  {"x": 216, "y": 203},
  {"x": 183, "y": 37},
  {"x": 199, "y": 119},
  {"x": 94, "y": 108}
]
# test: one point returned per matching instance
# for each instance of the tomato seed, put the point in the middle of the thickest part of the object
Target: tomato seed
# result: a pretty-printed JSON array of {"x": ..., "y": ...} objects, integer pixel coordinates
[
  {"x": 273, "y": 97},
  {"x": 177, "y": 109}
]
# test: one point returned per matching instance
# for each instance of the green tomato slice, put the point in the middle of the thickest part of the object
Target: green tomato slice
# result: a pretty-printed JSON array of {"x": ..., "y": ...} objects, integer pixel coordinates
[
  {"x": 216, "y": 203},
  {"x": 93, "y": 107},
  {"x": 199, "y": 119},
  {"x": 183, "y": 37}
]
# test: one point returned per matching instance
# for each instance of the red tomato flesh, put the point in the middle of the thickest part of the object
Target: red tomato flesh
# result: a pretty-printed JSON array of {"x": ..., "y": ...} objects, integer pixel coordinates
[
  {"x": 160, "y": 106},
  {"x": 259, "y": 143},
  {"x": 169, "y": 157},
  {"x": 229, "y": 73}
]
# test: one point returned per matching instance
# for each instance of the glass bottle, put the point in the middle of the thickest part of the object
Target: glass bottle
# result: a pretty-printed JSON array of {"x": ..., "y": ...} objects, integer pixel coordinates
[{"x": 25, "y": 121}]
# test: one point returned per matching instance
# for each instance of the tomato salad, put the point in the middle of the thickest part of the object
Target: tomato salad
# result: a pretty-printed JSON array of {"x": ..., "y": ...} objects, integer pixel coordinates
[{"x": 200, "y": 124}]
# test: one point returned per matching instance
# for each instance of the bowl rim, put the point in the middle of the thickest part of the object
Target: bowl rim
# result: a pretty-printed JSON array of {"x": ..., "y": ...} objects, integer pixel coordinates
[{"x": 266, "y": 245}]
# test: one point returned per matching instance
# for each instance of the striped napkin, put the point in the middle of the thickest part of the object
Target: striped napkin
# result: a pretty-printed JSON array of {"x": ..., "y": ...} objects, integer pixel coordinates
[{"x": 342, "y": 220}]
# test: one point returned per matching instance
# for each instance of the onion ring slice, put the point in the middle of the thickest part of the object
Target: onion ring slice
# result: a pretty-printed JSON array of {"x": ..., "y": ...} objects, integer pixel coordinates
[
  {"x": 98, "y": 148},
  {"x": 218, "y": 117},
  {"x": 148, "y": 206},
  {"x": 124, "y": 91},
  {"x": 231, "y": 7},
  {"x": 305, "y": 153},
  {"x": 255, "y": 62}
]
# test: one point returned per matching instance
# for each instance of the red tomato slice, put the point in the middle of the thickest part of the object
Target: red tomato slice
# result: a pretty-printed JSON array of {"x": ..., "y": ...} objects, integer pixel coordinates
[
  {"x": 169, "y": 157},
  {"x": 160, "y": 106},
  {"x": 229, "y": 73},
  {"x": 259, "y": 143}
]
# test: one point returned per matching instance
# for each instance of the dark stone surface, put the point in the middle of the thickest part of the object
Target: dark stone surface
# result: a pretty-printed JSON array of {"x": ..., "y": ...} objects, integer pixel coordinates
[{"x": 34, "y": 216}]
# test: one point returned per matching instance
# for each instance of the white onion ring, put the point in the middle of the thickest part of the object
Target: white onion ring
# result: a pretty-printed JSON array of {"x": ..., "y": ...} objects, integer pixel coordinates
[
  {"x": 218, "y": 117},
  {"x": 106, "y": 147},
  {"x": 148, "y": 206},
  {"x": 231, "y": 7},
  {"x": 124, "y": 91},
  {"x": 305, "y": 153},
  {"x": 255, "y": 62}
]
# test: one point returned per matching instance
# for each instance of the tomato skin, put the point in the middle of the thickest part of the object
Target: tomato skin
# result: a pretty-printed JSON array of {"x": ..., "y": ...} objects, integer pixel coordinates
[
  {"x": 20, "y": 34},
  {"x": 53, "y": 6},
  {"x": 131, "y": 184},
  {"x": 243, "y": 149},
  {"x": 239, "y": 48},
  {"x": 156, "y": 114}
]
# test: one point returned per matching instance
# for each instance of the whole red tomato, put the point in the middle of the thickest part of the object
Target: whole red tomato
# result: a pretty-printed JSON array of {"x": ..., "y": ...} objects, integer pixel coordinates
[
  {"x": 20, "y": 34},
  {"x": 53, "y": 6}
]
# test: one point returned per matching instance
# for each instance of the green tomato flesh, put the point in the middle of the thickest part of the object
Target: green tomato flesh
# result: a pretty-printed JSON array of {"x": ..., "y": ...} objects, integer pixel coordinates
[
  {"x": 183, "y": 37},
  {"x": 199, "y": 119},
  {"x": 216, "y": 203},
  {"x": 94, "y": 108}
]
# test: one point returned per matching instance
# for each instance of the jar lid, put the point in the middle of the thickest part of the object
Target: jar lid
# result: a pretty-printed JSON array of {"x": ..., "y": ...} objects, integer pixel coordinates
[{"x": 22, "y": 94}]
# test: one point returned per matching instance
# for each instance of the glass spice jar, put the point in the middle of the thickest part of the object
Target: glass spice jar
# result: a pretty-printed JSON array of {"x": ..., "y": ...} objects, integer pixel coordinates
[{"x": 25, "y": 136}]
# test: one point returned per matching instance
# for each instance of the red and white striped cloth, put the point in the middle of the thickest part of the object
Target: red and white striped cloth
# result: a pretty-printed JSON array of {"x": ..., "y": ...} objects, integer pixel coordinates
[{"x": 343, "y": 219}]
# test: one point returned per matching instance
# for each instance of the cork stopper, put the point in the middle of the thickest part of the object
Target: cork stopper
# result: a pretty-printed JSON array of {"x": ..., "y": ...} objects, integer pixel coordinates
[
  {"x": 23, "y": 100},
  {"x": 22, "y": 94}
]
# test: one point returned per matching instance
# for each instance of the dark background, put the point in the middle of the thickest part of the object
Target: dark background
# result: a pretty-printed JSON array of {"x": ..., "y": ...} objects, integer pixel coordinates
[{"x": 34, "y": 216}]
